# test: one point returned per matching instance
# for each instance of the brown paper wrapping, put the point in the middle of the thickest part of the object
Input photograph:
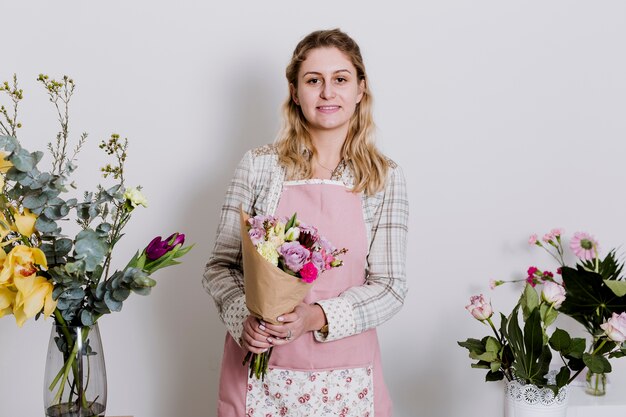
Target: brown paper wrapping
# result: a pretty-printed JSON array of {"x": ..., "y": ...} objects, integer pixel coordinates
[{"x": 269, "y": 290}]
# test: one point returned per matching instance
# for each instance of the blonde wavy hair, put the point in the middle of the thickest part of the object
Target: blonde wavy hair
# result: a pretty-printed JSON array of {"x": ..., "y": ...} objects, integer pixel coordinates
[{"x": 294, "y": 145}]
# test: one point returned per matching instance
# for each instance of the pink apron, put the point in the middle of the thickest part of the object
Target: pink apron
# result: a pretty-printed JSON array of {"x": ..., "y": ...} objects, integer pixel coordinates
[{"x": 305, "y": 377}]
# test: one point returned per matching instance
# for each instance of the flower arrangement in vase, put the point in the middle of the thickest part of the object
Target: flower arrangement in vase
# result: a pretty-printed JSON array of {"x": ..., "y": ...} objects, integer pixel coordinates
[{"x": 45, "y": 272}]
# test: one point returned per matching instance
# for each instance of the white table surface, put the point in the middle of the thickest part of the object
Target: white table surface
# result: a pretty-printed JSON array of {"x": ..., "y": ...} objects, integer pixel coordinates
[{"x": 613, "y": 404}]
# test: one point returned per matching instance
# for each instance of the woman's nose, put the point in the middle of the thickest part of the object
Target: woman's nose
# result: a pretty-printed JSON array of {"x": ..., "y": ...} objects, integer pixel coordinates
[{"x": 328, "y": 91}]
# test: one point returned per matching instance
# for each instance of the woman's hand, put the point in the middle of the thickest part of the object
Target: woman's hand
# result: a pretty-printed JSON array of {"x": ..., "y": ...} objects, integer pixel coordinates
[
  {"x": 254, "y": 337},
  {"x": 304, "y": 318}
]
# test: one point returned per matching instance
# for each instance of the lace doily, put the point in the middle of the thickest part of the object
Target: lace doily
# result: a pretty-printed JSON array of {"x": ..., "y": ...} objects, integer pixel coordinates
[{"x": 531, "y": 394}]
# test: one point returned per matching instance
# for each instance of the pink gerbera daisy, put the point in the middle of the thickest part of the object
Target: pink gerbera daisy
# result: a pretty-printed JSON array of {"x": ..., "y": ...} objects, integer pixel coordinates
[{"x": 584, "y": 246}]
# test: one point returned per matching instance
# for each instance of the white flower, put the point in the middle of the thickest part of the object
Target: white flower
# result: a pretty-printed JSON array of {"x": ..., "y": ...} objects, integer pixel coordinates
[
  {"x": 134, "y": 196},
  {"x": 553, "y": 293},
  {"x": 615, "y": 327}
]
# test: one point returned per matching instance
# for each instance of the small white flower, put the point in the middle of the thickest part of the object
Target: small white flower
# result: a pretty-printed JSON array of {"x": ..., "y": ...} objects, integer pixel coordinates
[{"x": 134, "y": 196}]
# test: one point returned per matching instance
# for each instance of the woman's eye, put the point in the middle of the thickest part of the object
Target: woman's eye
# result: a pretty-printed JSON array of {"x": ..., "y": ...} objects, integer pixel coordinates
[
  {"x": 313, "y": 81},
  {"x": 341, "y": 80}
]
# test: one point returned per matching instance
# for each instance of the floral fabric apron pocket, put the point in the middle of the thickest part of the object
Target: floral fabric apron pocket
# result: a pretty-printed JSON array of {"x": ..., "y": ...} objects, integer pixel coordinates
[{"x": 338, "y": 392}]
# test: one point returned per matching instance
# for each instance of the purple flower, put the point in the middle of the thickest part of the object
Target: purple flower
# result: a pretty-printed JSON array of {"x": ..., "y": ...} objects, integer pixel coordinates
[
  {"x": 325, "y": 245},
  {"x": 258, "y": 222},
  {"x": 157, "y": 247},
  {"x": 318, "y": 260},
  {"x": 256, "y": 235},
  {"x": 295, "y": 255}
]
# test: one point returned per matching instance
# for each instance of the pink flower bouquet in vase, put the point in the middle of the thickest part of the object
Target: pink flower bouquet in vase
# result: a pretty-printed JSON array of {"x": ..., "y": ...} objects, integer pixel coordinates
[{"x": 281, "y": 259}]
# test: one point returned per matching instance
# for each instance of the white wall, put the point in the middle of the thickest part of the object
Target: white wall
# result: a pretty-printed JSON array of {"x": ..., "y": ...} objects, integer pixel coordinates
[{"x": 508, "y": 118}]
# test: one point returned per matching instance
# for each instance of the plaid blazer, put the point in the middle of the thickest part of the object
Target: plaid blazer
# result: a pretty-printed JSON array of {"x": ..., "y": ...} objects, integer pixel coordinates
[{"x": 256, "y": 186}]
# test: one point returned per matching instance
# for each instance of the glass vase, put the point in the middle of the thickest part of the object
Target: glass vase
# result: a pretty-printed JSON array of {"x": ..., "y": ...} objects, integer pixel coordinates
[
  {"x": 75, "y": 379},
  {"x": 596, "y": 384}
]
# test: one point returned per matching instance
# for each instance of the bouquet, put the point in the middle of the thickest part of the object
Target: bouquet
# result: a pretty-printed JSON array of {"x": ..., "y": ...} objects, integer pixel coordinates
[
  {"x": 281, "y": 258},
  {"x": 46, "y": 272},
  {"x": 595, "y": 297},
  {"x": 525, "y": 353},
  {"x": 593, "y": 293}
]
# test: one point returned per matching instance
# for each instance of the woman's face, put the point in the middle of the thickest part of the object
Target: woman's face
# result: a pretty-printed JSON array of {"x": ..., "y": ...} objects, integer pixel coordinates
[{"x": 328, "y": 90}]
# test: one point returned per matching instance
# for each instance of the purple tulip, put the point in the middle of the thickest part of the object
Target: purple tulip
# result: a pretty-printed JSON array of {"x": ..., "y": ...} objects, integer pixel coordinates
[{"x": 157, "y": 247}]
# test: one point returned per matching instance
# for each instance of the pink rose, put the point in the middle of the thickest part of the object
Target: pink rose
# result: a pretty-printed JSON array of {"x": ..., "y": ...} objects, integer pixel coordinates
[
  {"x": 615, "y": 327},
  {"x": 532, "y": 240},
  {"x": 479, "y": 308},
  {"x": 308, "y": 273},
  {"x": 553, "y": 293}
]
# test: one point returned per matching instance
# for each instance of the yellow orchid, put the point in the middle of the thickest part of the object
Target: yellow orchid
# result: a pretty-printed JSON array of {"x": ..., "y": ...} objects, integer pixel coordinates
[
  {"x": 20, "y": 262},
  {"x": 4, "y": 167},
  {"x": 7, "y": 294},
  {"x": 7, "y": 298},
  {"x": 34, "y": 293},
  {"x": 24, "y": 222},
  {"x": 22, "y": 292},
  {"x": 5, "y": 226}
]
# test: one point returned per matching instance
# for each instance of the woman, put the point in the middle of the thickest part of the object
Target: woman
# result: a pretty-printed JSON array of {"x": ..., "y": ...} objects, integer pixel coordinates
[{"x": 325, "y": 167}]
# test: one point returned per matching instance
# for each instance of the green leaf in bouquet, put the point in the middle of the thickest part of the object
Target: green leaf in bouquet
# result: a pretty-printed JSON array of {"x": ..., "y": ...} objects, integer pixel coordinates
[
  {"x": 494, "y": 376},
  {"x": 35, "y": 200},
  {"x": 588, "y": 300},
  {"x": 532, "y": 357},
  {"x": 529, "y": 301},
  {"x": 76, "y": 293},
  {"x": 618, "y": 287},
  {"x": 474, "y": 345},
  {"x": 142, "y": 280},
  {"x": 548, "y": 314},
  {"x": 114, "y": 192},
  {"x": 25, "y": 161},
  {"x": 561, "y": 341},
  {"x": 495, "y": 366},
  {"x": 533, "y": 337},
  {"x": 62, "y": 246},
  {"x": 103, "y": 229},
  {"x": 90, "y": 248},
  {"x": 618, "y": 353},
  {"x": 111, "y": 302},
  {"x": 488, "y": 356},
  {"x": 101, "y": 289},
  {"x": 597, "y": 363},
  {"x": 121, "y": 294},
  {"x": 481, "y": 365},
  {"x": 492, "y": 345},
  {"x": 9, "y": 143},
  {"x": 73, "y": 268},
  {"x": 562, "y": 378},
  {"x": 87, "y": 318},
  {"x": 609, "y": 267},
  {"x": 101, "y": 308},
  {"x": 291, "y": 223},
  {"x": 56, "y": 209},
  {"x": 577, "y": 348},
  {"x": 56, "y": 292},
  {"x": 46, "y": 225}
]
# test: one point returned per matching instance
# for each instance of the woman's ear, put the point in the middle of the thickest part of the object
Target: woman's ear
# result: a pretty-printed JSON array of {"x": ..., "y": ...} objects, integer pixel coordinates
[
  {"x": 294, "y": 94},
  {"x": 361, "y": 91}
]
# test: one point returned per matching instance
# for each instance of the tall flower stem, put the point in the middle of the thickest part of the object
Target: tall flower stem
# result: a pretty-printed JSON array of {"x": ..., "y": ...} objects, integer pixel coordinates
[
  {"x": 494, "y": 330},
  {"x": 63, "y": 374}
]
